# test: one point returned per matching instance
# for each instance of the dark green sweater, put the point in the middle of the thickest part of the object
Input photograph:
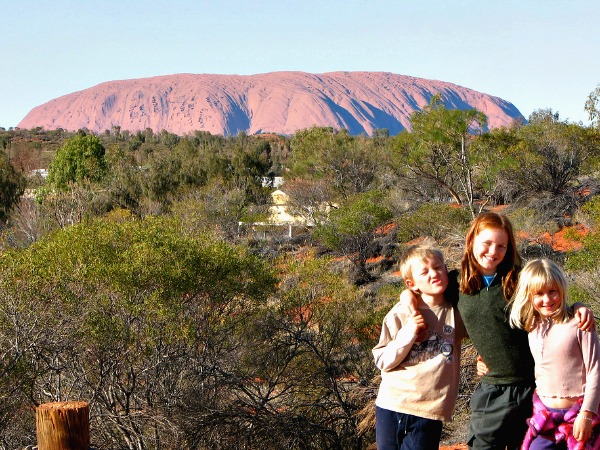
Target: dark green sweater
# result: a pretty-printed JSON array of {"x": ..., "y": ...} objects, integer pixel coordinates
[{"x": 505, "y": 350}]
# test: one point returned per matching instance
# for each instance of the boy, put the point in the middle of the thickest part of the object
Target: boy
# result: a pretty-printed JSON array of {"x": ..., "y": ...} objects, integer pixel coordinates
[{"x": 419, "y": 355}]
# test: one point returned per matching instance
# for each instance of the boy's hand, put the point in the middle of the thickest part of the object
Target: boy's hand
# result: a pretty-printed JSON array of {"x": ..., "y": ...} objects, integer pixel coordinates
[
  {"x": 409, "y": 300},
  {"x": 584, "y": 315},
  {"x": 416, "y": 323},
  {"x": 582, "y": 428},
  {"x": 482, "y": 368}
]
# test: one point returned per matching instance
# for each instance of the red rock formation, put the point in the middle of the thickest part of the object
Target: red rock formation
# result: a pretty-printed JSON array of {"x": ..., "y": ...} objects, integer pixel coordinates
[{"x": 278, "y": 102}]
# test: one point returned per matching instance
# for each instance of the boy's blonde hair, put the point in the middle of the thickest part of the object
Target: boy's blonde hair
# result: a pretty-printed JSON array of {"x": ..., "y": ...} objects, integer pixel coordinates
[
  {"x": 424, "y": 251},
  {"x": 535, "y": 276}
]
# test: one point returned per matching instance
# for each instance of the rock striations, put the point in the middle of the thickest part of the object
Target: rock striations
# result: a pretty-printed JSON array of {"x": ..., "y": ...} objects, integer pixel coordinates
[{"x": 277, "y": 102}]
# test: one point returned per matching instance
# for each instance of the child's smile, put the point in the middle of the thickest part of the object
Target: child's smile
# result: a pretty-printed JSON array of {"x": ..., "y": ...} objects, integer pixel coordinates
[
  {"x": 489, "y": 249},
  {"x": 547, "y": 300}
]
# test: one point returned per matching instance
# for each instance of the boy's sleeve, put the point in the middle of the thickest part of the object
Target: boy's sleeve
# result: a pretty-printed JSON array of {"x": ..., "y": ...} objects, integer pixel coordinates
[{"x": 394, "y": 344}]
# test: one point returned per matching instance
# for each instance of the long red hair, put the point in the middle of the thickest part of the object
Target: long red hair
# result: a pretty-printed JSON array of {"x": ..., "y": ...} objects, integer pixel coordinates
[{"x": 508, "y": 269}]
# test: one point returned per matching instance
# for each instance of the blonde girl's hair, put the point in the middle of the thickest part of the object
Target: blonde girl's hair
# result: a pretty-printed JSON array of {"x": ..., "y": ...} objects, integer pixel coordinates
[
  {"x": 535, "y": 276},
  {"x": 508, "y": 269}
]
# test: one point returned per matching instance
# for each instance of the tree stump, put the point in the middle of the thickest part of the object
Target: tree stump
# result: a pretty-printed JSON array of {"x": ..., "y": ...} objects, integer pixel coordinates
[{"x": 63, "y": 426}]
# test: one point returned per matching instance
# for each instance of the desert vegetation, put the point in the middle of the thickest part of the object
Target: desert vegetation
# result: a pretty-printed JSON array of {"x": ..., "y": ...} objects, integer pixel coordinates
[{"x": 126, "y": 279}]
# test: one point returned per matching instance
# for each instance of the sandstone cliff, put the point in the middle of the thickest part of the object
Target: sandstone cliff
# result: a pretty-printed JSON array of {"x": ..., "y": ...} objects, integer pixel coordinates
[{"x": 278, "y": 102}]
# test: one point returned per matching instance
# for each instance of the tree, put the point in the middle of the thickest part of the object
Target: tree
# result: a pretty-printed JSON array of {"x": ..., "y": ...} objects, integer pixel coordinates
[
  {"x": 310, "y": 199},
  {"x": 250, "y": 161},
  {"x": 592, "y": 107},
  {"x": 12, "y": 185},
  {"x": 124, "y": 180},
  {"x": 163, "y": 176},
  {"x": 213, "y": 207},
  {"x": 437, "y": 150},
  {"x": 495, "y": 156},
  {"x": 352, "y": 227},
  {"x": 348, "y": 164},
  {"x": 553, "y": 152},
  {"x": 80, "y": 158}
]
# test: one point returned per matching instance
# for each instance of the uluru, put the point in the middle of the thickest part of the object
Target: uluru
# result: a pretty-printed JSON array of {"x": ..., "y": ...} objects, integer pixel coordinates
[{"x": 276, "y": 102}]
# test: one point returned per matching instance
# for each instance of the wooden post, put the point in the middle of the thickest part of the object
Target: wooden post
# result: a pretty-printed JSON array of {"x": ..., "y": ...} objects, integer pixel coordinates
[{"x": 63, "y": 426}]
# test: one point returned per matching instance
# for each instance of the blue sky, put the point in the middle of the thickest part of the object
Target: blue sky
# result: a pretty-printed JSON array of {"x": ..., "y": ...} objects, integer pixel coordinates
[{"x": 533, "y": 53}]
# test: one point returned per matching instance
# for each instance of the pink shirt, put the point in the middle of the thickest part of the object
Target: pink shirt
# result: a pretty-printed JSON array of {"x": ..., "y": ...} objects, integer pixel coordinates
[{"x": 566, "y": 362}]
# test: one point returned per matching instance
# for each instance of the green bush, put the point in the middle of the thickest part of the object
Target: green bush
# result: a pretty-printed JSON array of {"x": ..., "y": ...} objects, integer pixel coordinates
[
  {"x": 436, "y": 220},
  {"x": 585, "y": 259},
  {"x": 591, "y": 212},
  {"x": 530, "y": 221}
]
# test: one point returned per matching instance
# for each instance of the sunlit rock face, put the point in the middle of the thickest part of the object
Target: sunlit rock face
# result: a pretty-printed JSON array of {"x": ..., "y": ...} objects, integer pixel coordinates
[{"x": 277, "y": 102}]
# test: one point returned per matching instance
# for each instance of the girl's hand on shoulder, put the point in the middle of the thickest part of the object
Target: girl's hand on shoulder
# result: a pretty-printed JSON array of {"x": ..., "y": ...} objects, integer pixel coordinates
[
  {"x": 585, "y": 317},
  {"x": 409, "y": 300},
  {"x": 582, "y": 428}
]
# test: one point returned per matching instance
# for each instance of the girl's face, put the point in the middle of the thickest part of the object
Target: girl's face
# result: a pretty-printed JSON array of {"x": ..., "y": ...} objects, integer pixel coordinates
[
  {"x": 489, "y": 249},
  {"x": 546, "y": 300}
]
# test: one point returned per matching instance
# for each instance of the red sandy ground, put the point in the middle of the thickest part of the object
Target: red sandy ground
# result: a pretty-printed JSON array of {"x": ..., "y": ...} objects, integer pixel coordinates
[{"x": 560, "y": 240}]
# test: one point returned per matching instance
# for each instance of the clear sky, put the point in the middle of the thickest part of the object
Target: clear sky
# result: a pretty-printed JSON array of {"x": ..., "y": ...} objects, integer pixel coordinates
[{"x": 533, "y": 53}]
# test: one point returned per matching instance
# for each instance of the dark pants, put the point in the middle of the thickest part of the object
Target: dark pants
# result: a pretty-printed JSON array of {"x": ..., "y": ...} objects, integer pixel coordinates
[
  {"x": 498, "y": 416},
  {"x": 395, "y": 431}
]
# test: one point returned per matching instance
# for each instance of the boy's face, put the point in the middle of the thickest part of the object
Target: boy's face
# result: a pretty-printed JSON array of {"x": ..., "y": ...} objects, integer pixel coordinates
[{"x": 429, "y": 277}]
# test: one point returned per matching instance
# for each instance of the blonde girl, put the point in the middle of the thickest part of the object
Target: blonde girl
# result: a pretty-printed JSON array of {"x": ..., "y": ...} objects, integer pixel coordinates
[{"x": 567, "y": 361}]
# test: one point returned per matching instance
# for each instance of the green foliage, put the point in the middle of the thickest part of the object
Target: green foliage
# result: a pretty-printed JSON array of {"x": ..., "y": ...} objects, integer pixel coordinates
[
  {"x": 531, "y": 221},
  {"x": 437, "y": 151},
  {"x": 587, "y": 258},
  {"x": 348, "y": 164},
  {"x": 360, "y": 215},
  {"x": 214, "y": 207},
  {"x": 592, "y": 106},
  {"x": 184, "y": 341},
  {"x": 495, "y": 158},
  {"x": 577, "y": 294},
  {"x": 127, "y": 313},
  {"x": 551, "y": 153},
  {"x": 125, "y": 179},
  {"x": 12, "y": 185},
  {"x": 322, "y": 334},
  {"x": 436, "y": 220},
  {"x": 591, "y": 211},
  {"x": 80, "y": 158},
  {"x": 351, "y": 229},
  {"x": 163, "y": 176}
]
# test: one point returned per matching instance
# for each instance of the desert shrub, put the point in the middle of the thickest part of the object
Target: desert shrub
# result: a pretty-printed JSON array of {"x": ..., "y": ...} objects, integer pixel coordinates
[
  {"x": 530, "y": 221},
  {"x": 129, "y": 315},
  {"x": 590, "y": 212},
  {"x": 437, "y": 220},
  {"x": 582, "y": 267},
  {"x": 351, "y": 229},
  {"x": 294, "y": 389},
  {"x": 585, "y": 259}
]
